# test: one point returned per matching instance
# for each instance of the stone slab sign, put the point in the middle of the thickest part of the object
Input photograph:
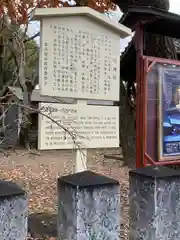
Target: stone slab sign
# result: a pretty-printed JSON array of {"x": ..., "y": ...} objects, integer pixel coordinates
[
  {"x": 88, "y": 207},
  {"x": 67, "y": 126},
  {"x": 154, "y": 204}
]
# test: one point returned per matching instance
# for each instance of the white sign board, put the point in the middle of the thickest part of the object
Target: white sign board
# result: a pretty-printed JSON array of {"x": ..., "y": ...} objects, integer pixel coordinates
[
  {"x": 90, "y": 126},
  {"x": 79, "y": 58}
]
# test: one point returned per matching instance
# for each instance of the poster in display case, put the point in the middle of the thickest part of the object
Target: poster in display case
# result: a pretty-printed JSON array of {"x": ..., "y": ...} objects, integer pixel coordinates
[{"x": 169, "y": 113}]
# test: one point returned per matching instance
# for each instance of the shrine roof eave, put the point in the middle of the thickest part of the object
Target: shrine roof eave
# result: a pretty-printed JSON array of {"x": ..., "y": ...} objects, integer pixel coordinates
[
  {"x": 153, "y": 20},
  {"x": 41, "y": 13}
]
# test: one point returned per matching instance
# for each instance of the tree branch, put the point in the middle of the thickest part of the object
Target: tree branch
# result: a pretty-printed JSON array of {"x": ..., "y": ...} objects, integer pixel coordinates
[{"x": 32, "y": 38}]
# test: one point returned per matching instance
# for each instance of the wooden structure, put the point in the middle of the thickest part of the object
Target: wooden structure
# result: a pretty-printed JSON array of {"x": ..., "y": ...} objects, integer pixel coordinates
[{"x": 136, "y": 65}]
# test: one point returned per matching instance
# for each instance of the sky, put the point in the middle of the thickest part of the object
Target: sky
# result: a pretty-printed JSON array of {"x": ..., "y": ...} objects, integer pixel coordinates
[
  {"x": 34, "y": 26},
  {"x": 174, "y": 6}
]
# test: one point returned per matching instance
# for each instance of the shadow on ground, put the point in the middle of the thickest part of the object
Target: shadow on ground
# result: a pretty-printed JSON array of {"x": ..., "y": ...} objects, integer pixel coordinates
[
  {"x": 42, "y": 225},
  {"x": 118, "y": 158}
]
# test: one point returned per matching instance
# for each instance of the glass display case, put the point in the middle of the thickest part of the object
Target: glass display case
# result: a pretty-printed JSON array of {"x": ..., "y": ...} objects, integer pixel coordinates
[
  {"x": 163, "y": 112},
  {"x": 169, "y": 112}
]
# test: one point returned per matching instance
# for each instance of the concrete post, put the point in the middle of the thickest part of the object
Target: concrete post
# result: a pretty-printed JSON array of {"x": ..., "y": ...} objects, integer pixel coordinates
[
  {"x": 13, "y": 212},
  {"x": 154, "y": 204},
  {"x": 88, "y": 207}
]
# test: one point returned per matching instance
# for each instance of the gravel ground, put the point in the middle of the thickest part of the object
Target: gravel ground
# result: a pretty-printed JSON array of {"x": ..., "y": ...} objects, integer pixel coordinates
[{"x": 37, "y": 173}]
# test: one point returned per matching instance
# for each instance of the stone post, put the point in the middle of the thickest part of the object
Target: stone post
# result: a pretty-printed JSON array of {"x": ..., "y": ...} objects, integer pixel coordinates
[
  {"x": 88, "y": 207},
  {"x": 13, "y": 212},
  {"x": 154, "y": 204}
]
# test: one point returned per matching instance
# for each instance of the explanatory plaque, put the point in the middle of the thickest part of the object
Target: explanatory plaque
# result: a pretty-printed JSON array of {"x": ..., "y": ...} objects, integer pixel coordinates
[
  {"x": 79, "y": 59},
  {"x": 67, "y": 126},
  {"x": 79, "y": 62}
]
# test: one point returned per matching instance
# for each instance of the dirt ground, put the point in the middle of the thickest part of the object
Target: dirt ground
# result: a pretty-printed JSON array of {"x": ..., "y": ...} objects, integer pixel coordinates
[{"x": 37, "y": 172}]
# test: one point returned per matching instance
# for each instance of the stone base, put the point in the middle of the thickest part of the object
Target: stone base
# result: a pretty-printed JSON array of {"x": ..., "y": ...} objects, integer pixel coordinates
[
  {"x": 13, "y": 212},
  {"x": 13, "y": 218},
  {"x": 154, "y": 204},
  {"x": 89, "y": 212}
]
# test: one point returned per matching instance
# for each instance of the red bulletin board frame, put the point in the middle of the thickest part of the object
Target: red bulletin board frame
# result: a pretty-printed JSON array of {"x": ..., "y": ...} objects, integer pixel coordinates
[{"x": 144, "y": 65}]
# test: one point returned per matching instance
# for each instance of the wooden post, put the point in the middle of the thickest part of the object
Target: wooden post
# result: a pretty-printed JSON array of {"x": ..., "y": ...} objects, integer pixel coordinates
[{"x": 81, "y": 154}]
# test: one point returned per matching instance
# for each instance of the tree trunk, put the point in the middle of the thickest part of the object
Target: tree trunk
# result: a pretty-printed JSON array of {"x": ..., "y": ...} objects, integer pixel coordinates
[
  {"x": 127, "y": 127},
  {"x": 1, "y": 61}
]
